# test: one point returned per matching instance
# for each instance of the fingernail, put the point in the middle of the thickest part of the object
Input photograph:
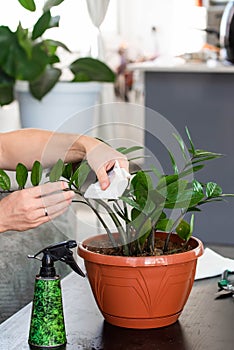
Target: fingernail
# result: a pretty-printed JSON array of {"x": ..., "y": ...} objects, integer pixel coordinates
[{"x": 65, "y": 184}]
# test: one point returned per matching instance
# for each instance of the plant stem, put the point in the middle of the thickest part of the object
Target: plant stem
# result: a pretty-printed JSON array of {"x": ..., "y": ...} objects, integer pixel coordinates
[{"x": 117, "y": 224}]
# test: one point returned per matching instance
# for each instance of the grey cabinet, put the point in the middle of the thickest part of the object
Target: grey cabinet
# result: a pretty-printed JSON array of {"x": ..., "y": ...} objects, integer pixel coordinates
[{"x": 204, "y": 102}]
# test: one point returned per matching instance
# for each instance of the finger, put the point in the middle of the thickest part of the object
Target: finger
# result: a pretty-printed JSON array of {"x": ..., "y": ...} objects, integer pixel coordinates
[
  {"x": 54, "y": 198},
  {"x": 53, "y": 210},
  {"x": 45, "y": 189},
  {"x": 103, "y": 178}
]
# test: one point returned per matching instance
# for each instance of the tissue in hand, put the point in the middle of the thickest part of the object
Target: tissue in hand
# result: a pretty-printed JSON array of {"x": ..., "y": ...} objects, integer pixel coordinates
[{"x": 118, "y": 183}]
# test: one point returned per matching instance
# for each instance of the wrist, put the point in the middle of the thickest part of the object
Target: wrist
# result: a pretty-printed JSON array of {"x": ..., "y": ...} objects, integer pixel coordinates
[{"x": 88, "y": 143}]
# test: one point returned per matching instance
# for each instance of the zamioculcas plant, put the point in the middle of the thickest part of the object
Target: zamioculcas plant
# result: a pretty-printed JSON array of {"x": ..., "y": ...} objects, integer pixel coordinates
[{"x": 145, "y": 207}]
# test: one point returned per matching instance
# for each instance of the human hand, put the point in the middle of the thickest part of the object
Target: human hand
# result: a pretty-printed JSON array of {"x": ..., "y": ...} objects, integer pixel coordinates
[
  {"x": 102, "y": 158},
  {"x": 31, "y": 207}
]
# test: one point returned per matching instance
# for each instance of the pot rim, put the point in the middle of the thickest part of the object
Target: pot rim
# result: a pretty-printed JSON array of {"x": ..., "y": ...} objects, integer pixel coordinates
[{"x": 162, "y": 260}]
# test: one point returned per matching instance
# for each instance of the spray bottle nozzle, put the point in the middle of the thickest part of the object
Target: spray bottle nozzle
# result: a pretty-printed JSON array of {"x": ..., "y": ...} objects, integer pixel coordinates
[{"x": 59, "y": 251}]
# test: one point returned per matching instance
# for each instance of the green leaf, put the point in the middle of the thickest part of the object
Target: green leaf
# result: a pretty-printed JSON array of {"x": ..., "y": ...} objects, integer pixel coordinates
[
  {"x": 204, "y": 159},
  {"x": 185, "y": 200},
  {"x": 124, "y": 150},
  {"x": 165, "y": 180},
  {"x": 190, "y": 141},
  {"x": 175, "y": 189},
  {"x": 21, "y": 61},
  {"x": 174, "y": 165},
  {"x": 57, "y": 171},
  {"x": 156, "y": 171},
  {"x": 28, "y": 4},
  {"x": 200, "y": 153},
  {"x": 90, "y": 69},
  {"x": 156, "y": 197},
  {"x": 36, "y": 173},
  {"x": 145, "y": 231},
  {"x": 213, "y": 190},
  {"x": 6, "y": 89},
  {"x": 181, "y": 144},
  {"x": 5, "y": 182},
  {"x": 164, "y": 225},
  {"x": 141, "y": 184},
  {"x": 41, "y": 25},
  {"x": 51, "y": 3},
  {"x": 131, "y": 202},
  {"x": 40, "y": 87},
  {"x": 197, "y": 186},
  {"x": 21, "y": 175},
  {"x": 67, "y": 171},
  {"x": 191, "y": 170},
  {"x": 183, "y": 230},
  {"x": 80, "y": 175}
]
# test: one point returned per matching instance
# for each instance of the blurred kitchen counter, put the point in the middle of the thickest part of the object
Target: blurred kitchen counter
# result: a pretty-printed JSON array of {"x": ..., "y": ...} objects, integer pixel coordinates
[{"x": 178, "y": 65}]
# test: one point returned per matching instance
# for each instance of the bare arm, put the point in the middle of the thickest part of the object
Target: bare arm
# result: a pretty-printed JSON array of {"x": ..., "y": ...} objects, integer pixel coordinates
[{"x": 28, "y": 145}]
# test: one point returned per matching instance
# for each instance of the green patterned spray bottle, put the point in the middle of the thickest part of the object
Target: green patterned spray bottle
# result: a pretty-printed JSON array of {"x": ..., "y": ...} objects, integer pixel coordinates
[{"x": 47, "y": 329}]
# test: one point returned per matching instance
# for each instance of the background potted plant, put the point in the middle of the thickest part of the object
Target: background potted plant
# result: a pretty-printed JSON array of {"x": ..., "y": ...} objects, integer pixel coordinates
[
  {"x": 26, "y": 56},
  {"x": 142, "y": 272}
]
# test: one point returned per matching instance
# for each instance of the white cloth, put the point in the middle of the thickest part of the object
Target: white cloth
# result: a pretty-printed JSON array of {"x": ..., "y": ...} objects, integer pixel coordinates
[
  {"x": 212, "y": 264},
  {"x": 118, "y": 183}
]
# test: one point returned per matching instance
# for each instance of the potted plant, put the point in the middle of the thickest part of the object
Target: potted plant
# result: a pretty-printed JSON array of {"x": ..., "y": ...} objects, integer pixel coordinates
[
  {"x": 26, "y": 56},
  {"x": 142, "y": 272}
]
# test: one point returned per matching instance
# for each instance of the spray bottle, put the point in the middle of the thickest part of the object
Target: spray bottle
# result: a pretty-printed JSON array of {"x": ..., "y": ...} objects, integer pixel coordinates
[{"x": 47, "y": 329}]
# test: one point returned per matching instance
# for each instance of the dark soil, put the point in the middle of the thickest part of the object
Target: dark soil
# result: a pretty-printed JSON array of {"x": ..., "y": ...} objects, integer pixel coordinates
[{"x": 105, "y": 247}]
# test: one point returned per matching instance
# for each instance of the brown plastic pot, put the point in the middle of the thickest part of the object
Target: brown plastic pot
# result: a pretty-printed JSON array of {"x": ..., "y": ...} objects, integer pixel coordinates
[{"x": 141, "y": 292}]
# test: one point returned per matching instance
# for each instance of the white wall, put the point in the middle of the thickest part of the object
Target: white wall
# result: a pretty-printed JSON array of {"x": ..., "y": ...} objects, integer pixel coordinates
[
  {"x": 126, "y": 20},
  {"x": 176, "y": 20}
]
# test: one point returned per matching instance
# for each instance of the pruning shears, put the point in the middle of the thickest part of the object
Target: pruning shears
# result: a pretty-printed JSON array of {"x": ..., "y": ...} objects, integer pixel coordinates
[{"x": 226, "y": 283}]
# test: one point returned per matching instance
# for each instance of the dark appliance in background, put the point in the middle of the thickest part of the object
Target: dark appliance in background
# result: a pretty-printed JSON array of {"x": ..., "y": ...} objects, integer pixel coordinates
[{"x": 226, "y": 35}]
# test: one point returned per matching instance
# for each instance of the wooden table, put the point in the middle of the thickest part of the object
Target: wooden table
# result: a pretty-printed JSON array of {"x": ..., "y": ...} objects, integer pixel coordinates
[{"x": 206, "y": 323}]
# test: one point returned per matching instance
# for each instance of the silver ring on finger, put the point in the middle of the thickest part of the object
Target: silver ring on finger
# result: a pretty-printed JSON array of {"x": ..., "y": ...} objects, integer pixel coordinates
[{"x": 46, "y": 211}]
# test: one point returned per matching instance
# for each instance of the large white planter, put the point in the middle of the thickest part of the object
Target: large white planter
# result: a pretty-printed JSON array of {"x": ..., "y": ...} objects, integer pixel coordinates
[{"x": 65, "y": 108}]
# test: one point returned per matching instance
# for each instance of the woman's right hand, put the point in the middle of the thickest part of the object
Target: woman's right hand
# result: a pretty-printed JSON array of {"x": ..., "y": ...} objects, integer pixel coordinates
[{"x": 31, "y": 207}]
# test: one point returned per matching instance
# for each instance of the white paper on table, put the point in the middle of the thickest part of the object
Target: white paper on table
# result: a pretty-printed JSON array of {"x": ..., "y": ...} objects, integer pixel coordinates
[{"x": 212, "y": 264}]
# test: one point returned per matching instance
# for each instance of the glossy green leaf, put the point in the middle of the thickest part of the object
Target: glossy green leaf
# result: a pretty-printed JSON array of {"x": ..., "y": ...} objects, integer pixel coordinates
[
  {"x": 40, "y": 87},
  {"x": 56, "y": 171},
  {"x": 213, "y": 190},
  {"x": 5, "y": 181},
  {"x": 67, "y": 171},
  {"x": 23, "y": 62},
  {"x": 164, "y": 225},
  {"x": 90, "y": 69},
  {"x": 165, "y": 180},
  {"x": 197, "y": 186},
  {"x": 194, "y": 169},
  {"x": 21, "y": 175},
  {"x": 28, "y": 4},
  {"x": 141, "y": 184},
  {"x": 183, "y": 230},
  {"x": 185, "y": 200},
  {"x": 80, "y": 175},
  {"x": 182, "y": 145},
  {"x": 192, "y": 150},
  {"x": 36, "y": 173},
  {"x": 41, "y": 25},
  {"x": 173, "y": 162}
]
